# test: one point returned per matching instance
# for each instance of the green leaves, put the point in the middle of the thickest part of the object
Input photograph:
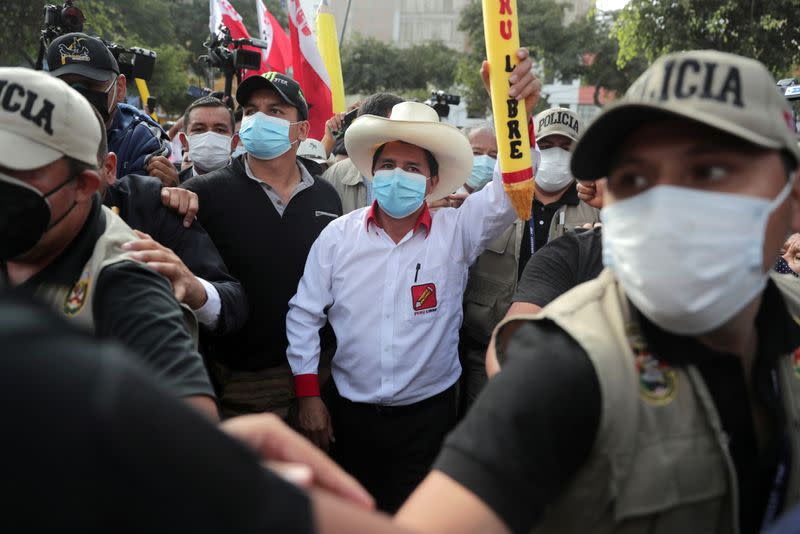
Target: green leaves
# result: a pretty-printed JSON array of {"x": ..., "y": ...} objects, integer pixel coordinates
[
  {"x": 370, "y": 65},
  {"x": 767, "y": 30}
]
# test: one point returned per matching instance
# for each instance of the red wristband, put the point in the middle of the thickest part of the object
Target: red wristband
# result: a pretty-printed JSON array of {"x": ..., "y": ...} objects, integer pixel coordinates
[{"x": 306, "y": 385}]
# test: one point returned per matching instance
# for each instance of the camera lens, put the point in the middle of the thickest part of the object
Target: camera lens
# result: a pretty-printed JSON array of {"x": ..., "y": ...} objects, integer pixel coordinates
[{"x": 72, "y": 19}]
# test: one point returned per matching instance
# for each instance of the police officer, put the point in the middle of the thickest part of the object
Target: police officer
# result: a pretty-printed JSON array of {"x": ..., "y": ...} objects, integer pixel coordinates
[
  {"x": 494, "y": 277},
  {"x": 141, "y": 145},
  {"x": 663, "y": 396},
  {"x": 58, "y": 242}
]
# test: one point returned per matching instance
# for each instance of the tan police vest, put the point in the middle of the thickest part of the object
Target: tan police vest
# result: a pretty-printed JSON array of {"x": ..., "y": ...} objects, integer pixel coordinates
[
  {"x": 569, "y": 217},
  {"x": 492, "y": 283},
  {"x": 493, "y": 277},
  {"x": 660, "y": 463},
  {"x": 76, "y": 302}
]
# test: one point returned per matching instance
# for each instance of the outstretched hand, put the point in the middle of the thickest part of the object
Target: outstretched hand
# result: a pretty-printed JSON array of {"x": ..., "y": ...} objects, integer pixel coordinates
[
  {"x": 525, "y": 85},
  {"x": 274, "y": 441}
]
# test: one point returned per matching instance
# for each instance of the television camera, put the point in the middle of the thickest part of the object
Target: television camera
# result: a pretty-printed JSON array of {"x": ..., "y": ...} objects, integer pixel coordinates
[
  {"x": 441, "y": 102},
  {"x": 134, "y": 62},
  {"x": 230, "y": 57}
]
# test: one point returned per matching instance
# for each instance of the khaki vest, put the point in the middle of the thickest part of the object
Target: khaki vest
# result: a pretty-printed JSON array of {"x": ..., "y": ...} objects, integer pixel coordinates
[
  {"x": 569, "y": 217},
  {"x": 660, "y": 462},
  {"x": 492, "y": 283},
  {"x": 76, "y": 302},
  {"x": 493, "y": 277}
]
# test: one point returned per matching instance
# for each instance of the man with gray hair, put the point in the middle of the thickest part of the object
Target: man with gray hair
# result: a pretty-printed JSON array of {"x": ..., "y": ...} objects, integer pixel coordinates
[{"x": 483, "y": 140}]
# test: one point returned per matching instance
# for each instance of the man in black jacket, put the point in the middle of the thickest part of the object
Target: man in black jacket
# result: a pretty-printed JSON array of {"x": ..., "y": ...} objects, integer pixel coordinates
[
  {"x": 183, "y": 253},
  {"x": 263, "y": 212}
]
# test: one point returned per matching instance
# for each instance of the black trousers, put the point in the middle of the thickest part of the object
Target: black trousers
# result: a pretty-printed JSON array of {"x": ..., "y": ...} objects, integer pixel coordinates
[{"x": 389, "y": 449}]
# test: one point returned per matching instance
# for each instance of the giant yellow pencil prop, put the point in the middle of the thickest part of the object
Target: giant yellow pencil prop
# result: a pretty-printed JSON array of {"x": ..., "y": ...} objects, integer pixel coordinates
[
  {"x": 510, "y": 119},
  {"x": 328, "y": 45}
]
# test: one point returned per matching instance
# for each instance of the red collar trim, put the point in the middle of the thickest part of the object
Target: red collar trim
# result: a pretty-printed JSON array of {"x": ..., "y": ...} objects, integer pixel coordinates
[{"x": 424, "y": 220}]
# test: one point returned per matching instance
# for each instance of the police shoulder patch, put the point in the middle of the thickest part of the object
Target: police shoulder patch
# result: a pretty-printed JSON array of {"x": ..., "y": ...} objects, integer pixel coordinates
[{"x": 76, "y": 298}]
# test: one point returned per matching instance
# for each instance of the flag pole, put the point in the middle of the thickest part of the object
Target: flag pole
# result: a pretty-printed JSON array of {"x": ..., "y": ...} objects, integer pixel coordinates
[{"x": 344, "y": 22}]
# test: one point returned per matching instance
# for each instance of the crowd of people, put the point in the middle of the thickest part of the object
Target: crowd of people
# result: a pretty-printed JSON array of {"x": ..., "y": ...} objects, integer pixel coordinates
[{"x": 226, "y": 325}]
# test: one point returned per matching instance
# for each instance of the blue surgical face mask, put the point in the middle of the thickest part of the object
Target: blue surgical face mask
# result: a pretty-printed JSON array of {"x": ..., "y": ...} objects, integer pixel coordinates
[
  {"x": 399, "y": 193},
  {"x": 265, "y": 137},
  {"x": 482, "y": 170}
]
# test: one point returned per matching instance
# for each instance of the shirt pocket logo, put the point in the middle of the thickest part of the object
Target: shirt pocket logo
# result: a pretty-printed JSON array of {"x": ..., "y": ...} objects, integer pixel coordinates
[{"x": 423, "y": 298}]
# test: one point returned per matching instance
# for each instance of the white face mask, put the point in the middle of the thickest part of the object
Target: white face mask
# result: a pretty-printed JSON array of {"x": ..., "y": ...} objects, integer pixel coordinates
[
  {"x": 688, "y": 260},
  {"x": 238, "y": 151},
  {"x": 553, "y": 173},
  {"x": 209, "y": 151}
]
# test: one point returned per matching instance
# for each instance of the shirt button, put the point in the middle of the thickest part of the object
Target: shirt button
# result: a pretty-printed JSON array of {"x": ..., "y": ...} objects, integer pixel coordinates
[
  {"x": 388, "y": 316},
  {"x": 541, "y": 222},
  {"x": 280, "y": 203}
]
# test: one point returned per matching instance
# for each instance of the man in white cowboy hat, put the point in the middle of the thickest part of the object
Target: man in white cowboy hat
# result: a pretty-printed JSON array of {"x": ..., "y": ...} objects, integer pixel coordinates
[
  {"x": 664, "y": 395},
  {"x": 389, "y": 278}
]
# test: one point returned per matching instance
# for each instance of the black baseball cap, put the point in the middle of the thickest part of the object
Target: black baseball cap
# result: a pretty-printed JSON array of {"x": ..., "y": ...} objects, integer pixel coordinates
[
  {"x": 77, "y": 53},
  {"x": 286, "y": 87}
]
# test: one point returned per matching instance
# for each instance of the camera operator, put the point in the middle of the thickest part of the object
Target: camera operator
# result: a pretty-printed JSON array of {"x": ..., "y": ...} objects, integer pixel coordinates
[{"x": 87, "y": 65}]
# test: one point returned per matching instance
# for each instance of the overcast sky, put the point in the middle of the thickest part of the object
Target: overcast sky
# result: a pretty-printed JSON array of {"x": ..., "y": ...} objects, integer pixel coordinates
[{"x": 609, "y": 5}]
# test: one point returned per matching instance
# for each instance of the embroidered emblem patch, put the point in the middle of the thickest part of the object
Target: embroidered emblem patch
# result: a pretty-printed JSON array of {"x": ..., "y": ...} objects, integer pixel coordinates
[
  {"x": 657, "y": 380},
  {"x": 423, "y": 298},
  {"x": 74, "y": 51},
  {"x": 76, "y": 298}
]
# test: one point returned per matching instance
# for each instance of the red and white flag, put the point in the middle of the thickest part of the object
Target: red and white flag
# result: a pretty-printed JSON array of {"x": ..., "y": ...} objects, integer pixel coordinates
[
  {"x": 278, "y": 56},
  {"x": 222, "y": 12},
  {"x": 309, "y": 70}
]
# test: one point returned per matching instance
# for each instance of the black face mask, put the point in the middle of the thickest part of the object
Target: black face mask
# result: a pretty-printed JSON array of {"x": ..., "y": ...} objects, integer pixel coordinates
[
  {"x": 24, "y": 216},
  {"x": 98, "y": 99}
]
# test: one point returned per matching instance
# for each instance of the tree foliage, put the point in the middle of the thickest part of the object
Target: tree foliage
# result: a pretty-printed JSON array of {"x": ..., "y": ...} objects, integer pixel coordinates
[
  {"x": 370, "y": 66},
  {"x": 169, "y": 82},
  {"x": 20, "y": 23},
  {"x": 584, "y": 49},
  {"x": 174, "y": 30},
  {"x": 767, "y": 30}
]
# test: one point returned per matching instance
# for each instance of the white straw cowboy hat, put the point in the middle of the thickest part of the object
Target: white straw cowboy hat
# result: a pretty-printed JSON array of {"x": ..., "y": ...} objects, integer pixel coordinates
[{"x": 417, "y": 124}]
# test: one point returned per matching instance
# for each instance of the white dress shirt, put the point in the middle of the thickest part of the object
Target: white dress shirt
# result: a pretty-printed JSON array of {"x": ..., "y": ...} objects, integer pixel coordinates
[
  {"x": 395, "y": 308},
  {"x": 208, "y": 314}
]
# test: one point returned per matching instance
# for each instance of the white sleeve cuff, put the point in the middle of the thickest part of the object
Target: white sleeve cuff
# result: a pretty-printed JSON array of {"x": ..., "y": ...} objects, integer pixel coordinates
[{"x": 208, "y": 314}]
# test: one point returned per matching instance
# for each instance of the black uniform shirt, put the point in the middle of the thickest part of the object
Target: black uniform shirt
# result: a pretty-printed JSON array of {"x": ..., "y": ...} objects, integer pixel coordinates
[
  {"x": 571, "y": 259},
  {"x": 541, "y": 219},
  {"x": 135, "y": 306},
  {"x": 534, "y": 425}
]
